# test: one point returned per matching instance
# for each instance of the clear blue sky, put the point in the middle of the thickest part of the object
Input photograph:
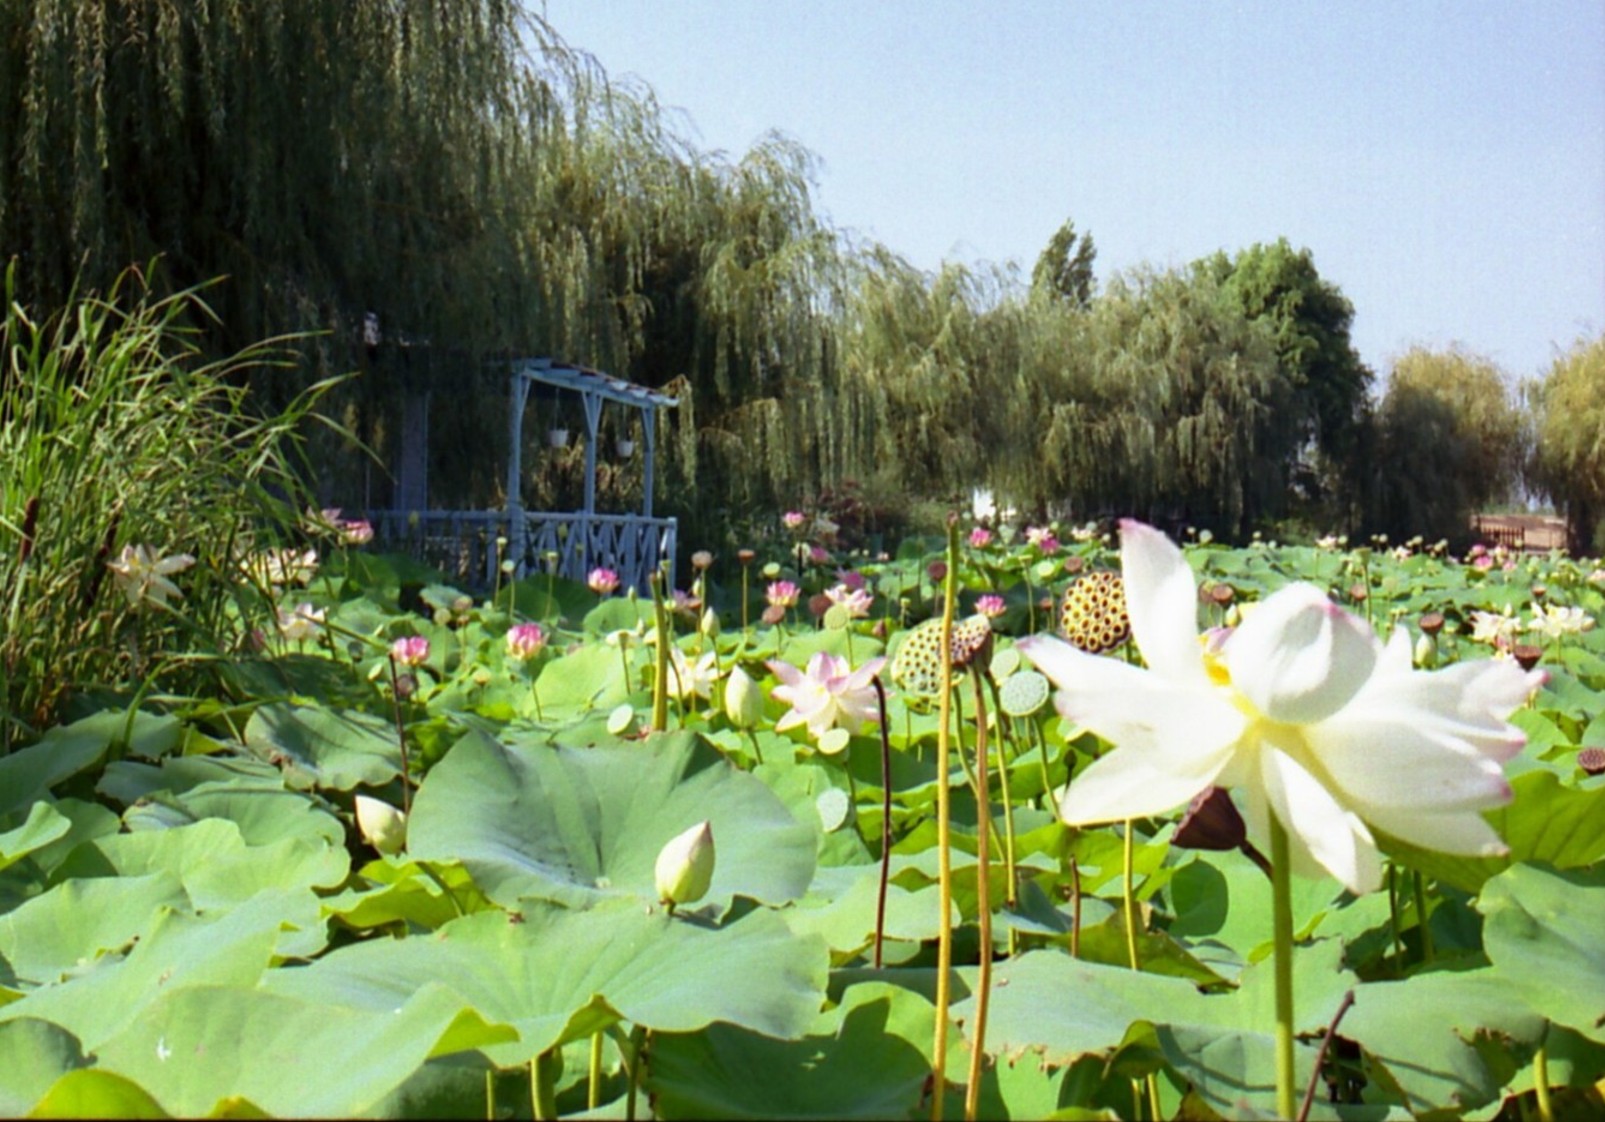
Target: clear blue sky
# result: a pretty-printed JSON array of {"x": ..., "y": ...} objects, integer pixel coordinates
[{"x": 1444, "y": 162}]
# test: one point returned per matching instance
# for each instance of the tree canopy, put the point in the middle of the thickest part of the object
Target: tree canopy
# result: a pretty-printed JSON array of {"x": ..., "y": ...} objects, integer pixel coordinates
[{"x": 484, "y": 189}]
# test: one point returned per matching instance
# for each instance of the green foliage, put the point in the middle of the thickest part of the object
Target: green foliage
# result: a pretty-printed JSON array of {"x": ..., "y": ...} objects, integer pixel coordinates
[
  {"x": 1064, "y": 269},
  {"x": 118, "y": 432},
  {"x": 1569, "y": 404},
  {"x": 1448, "y": 442}
]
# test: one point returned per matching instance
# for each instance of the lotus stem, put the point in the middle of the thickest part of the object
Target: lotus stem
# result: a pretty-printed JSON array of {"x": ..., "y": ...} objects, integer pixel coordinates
[
  {"x": 1320, "y": 1056},
  {"x": 944, "y": 827},
  {"x": 1427, "y": 949},
  {"x": 543, "y": 1086},
  {"x": 660, "y": 670},
  {"x": 886, "y": 822},
  {"x": 1282, "y": 941},
  {"x": 1546, "y": 1109},
  {"x": 401, "y": 739},
  {"x": 1129, "y": 899},
  {"x": 593, "y": 1089},
  {"x": 490, "y": 1094},
  {"x": 1011, "y": 894},
  {"x": 983, "y": 907}
]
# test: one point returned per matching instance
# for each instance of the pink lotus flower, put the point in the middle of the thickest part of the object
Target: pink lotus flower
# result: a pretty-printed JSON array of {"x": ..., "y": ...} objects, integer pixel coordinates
[
  {"x": 524, "y": 641},
  {"x": 410, "y": 650},
  {"x": 356, "y": 531},
  {"x": 793, "y": 519},
  {"x": 818, "y": 555},
  {"x": 1043, "y": 538},
  {"x": 855, "y": 600},
  {"x": 829, "y": 694},
  {"x": 980, "y": 537},
  {"x": 783, "y": 594},
  {"x": 850, "y": 577},
  {"x": 602, "y": 581},
  {"x": 991, "y": 605}
]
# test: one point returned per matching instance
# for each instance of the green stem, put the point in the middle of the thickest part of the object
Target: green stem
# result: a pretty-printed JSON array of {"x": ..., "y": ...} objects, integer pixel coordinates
[
  {"x": 1393, "y": 919},
  {"x": 983, "y": 907},
  {"x": 1282, "y": 936},
  {"x": 660, "y": 671},
  {"x": 1128, "y": 863},
  {"x": 543, "y": 1086},
  {"x": 1427, "y": 949},
  {"x": 944, "y": 830},
  {"x": 1546, "y": 1109},
  {"x": 593, "y": 1091},
  {"x": 490, "y": 1094},
  {"x": 886, "y": 821},
  {"x": 401, "y": 738},
  {"x": 1008, "y": 803}
]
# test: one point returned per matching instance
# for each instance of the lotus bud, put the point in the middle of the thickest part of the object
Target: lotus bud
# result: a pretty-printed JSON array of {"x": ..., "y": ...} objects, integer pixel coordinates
[
  {"x": 743, "y": 699},
  {"x": 382, "y": 825},
  {"x": 685, "y": 866},
  {"x": 710, "y": 623}
]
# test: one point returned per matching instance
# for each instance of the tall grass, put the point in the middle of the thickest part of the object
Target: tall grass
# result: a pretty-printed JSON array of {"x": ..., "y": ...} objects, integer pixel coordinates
[{"x": 115, "y": 430}]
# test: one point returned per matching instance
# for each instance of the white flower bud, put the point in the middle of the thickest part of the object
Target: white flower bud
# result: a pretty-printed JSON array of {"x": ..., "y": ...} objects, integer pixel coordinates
[
  {"x": 710, "y": 623},
  {"x": 743, "y": 699},
  {"x": 685, "y": 866},
  {"x": 384, "y": 827}
]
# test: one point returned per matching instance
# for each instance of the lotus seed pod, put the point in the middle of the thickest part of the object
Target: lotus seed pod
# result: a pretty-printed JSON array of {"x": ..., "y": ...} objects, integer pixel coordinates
[
  {"x": 685, "y": 866},
  {"x": 382, "y": 825},
  {"x": 743, "y": 699}
]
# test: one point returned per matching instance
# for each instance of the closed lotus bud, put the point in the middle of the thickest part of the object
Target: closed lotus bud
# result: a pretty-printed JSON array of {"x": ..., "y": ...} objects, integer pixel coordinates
[
  {"x": 710, "y": 623},
  {"x": 382, "y": 825},
  {"x": 685, "y": 866},
  {"x": 743, "y": 699}
]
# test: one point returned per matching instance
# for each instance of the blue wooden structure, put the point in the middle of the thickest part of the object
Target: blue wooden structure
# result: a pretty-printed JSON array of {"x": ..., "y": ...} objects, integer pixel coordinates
[{"x": 472, "y": 545}]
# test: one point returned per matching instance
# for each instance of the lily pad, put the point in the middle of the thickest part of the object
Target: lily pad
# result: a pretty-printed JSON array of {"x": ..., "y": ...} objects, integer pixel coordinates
[{"x": 579, "y": 825}]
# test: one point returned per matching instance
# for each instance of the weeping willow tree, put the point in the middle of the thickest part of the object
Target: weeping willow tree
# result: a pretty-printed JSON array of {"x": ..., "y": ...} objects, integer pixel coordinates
[{"x": 1172, "y": 406}]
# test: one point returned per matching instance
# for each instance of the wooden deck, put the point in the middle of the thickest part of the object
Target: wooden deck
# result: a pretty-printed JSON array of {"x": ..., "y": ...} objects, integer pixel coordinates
[{"x": 1528, "y": 533}]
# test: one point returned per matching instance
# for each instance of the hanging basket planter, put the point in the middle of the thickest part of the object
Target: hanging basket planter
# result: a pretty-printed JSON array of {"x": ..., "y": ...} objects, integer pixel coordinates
[
  {"x": 626, "y": 449},
  {"x": 557, "y": 438}
]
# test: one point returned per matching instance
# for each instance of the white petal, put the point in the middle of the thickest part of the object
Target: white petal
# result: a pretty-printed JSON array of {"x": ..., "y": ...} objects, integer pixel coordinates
[
  {"x": 1135, "y": 708},
  {"x": 1465, "y": 833},
  {"x": 1298, "y": 657},
  {"x": 1130, "y": 783},
  {"x": 1467, "y": 702},
  {"x": 1396, "y": 759},
  {"x": 1162, "y": 601},
  {"x": 1318, "y": 825}
]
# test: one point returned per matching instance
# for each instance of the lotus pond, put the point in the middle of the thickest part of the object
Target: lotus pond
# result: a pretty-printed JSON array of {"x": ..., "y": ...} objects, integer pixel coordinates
[{"x": 699, "y": 856}]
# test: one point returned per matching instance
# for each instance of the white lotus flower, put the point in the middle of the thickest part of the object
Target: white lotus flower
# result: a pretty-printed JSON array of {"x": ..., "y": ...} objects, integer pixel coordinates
[
  {"x": 689, "y": 679},
  {"x": 1302, "y": 708},
  {"x": 142, "y": 574}
]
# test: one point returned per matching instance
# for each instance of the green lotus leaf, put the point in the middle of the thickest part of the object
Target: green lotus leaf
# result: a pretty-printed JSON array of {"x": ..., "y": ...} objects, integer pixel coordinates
[
  {"x": 33, "y": 1055},
  {"x": 558, "y": 975},
  {"x": 588, "y": 680},
  {"x": 322, "y": 747},
  {"x": 579, "y": 825},
  {"x": 867, "y": 1059},
  {"x": 197, "y": 1047},
  {"x": 27, "y": 773},
  {"x": 92, "y": 1093},
  {"x": 403, "y": 891},
  {"x": 1543, "y": 932},
  {"x": 175, "y": 949},
  {"x": 212, "y": 861},
  {"x": 1435, "y": 1039},
  {"x": 43, "y": 825},
  {"x": 69, "y": 928}
]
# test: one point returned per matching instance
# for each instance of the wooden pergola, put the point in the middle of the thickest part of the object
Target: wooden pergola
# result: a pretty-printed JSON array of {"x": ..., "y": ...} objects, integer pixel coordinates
[{"x": 475, "y": 544}]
